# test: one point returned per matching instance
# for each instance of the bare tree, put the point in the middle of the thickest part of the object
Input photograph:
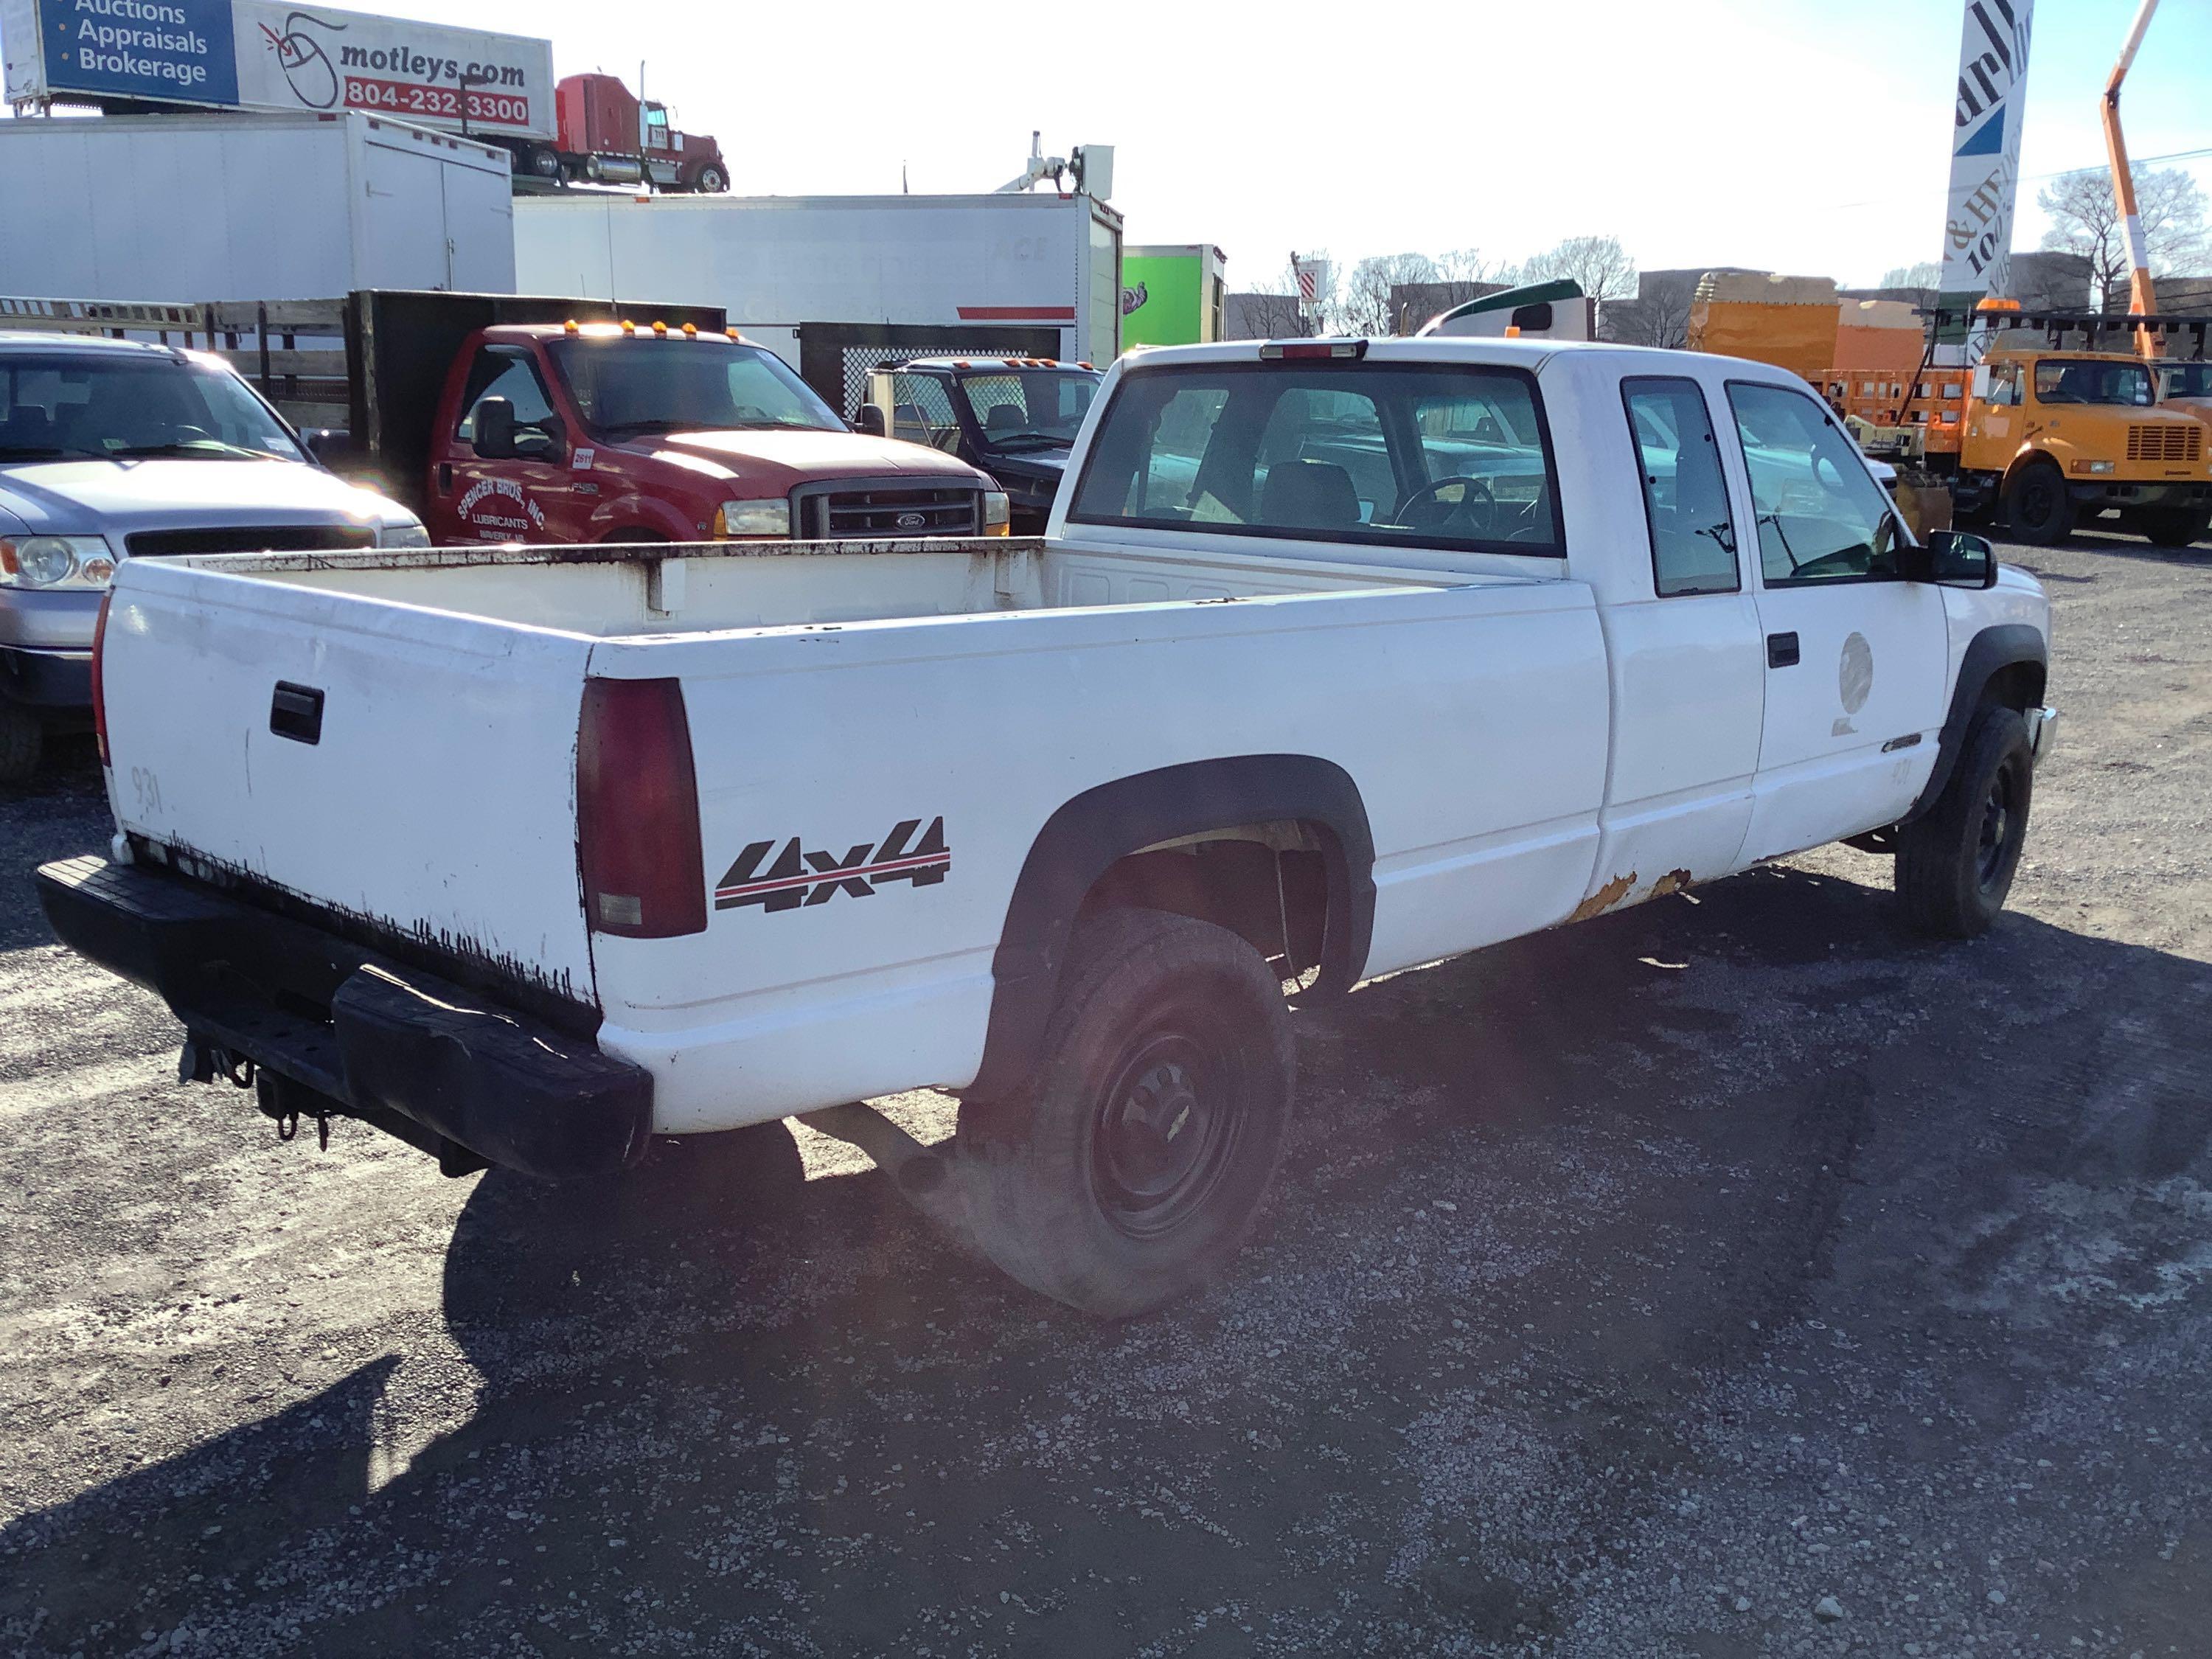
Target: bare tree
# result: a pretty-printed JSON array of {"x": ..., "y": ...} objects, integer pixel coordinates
[
  {"x": 1659, "y": 315},
  {"x": 1364, "y": 305},
  {"x": 2086, "y": 221},
  {"x": 1267, "y": 317},
  {"x": 1471, "y": 265},
  {"x": 1599, "y": 265},
  {"x": 1927, "y": 274}
]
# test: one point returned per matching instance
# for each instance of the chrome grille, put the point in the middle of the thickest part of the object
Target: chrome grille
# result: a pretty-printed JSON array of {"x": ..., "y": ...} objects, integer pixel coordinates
[{"x": 888, "y": 512}]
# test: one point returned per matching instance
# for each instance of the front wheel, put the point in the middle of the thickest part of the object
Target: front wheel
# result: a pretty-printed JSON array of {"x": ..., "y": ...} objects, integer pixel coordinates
[
  {"x": 22, "y": 744},
  {"x": 710, "y": 180},
  {"x": 1129, "y": 1171},
  {"x": 1955, "y": 863},
  {"x": 2037, "y": 505}
]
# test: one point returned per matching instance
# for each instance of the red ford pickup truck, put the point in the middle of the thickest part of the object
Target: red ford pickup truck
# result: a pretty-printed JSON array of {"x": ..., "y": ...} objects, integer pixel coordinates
[{"x": 612, "y": 432}]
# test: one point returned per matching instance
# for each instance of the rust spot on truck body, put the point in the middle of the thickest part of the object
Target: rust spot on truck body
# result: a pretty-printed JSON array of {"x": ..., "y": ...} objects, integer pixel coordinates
[
  {"x": 1675, "y": 881},
  {"x": 1605, "y": 898}
]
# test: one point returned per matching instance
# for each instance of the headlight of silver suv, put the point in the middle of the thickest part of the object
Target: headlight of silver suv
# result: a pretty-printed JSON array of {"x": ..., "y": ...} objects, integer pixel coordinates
[
  {"x": 403, "y": 535},
  {"x": 49, "y": 561}
]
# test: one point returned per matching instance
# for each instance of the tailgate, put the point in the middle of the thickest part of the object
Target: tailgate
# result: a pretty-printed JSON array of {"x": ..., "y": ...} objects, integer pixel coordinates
[{"x": 412, "y": 768}]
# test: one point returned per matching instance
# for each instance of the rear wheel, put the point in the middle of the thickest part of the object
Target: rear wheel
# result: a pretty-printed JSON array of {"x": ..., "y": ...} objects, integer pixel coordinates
[
  {"x": 2172, "y": 526},
  {"x": 1955, "y": 863},
  {"x": 1129, "y": 1171},
  {"x": 22, "y": 744}
]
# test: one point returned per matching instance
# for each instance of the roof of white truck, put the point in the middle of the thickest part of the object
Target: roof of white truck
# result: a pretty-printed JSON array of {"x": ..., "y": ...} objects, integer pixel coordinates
[{"x": 1529, "y": 354}]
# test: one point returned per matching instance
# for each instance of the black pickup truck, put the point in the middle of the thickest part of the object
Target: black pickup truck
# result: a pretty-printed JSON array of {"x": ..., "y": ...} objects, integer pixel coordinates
[{"x": 1015, "y": 417}]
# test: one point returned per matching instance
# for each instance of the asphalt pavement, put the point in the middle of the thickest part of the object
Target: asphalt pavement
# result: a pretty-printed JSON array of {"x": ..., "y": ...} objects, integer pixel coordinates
[{"x": 1735, "y": 1275}]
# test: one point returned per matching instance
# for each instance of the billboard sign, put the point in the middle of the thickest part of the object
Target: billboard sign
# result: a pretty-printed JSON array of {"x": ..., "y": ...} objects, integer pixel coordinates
[
  {"x": 1992, "y": 94},
  {"x": 264, "y": 54}
]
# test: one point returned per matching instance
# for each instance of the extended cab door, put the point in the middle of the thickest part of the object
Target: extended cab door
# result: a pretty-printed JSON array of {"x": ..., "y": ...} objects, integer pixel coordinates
[
  {"x": 1857, "y": 656},
  {"x": 524, "y": 497},
  {"x": 1685, "y": 647}
]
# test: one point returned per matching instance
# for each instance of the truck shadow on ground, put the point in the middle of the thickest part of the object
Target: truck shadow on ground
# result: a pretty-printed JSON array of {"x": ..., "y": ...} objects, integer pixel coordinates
[{"x": 716, "y": 1391}]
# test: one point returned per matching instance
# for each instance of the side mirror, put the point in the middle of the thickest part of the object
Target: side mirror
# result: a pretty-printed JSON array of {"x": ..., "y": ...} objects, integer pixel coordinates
[
  {"x": 1957, "y": 559},
  {"x": 330, "y": 446},
  {"x": 495, "y": 429},
  {"x": 870, "y": 420},
  {"x": 545, "y": 442}
]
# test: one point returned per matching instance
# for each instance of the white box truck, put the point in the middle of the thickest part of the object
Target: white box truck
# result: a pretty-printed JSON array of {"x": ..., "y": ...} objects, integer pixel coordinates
[
  {"x": 250, "y": 207},
  {"x": 838, "y": 285}
]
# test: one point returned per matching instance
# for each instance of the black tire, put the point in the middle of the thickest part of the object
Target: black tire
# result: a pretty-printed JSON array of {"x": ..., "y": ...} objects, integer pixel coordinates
[
  {"x": 546, "y": 164},
  {"x": 1163, "y": 1022},
  {"x": 22, "y": 744},
  {"x": 2172, "y": 526},
  {"x": 1955, "y": 864},
  {"x": 710, "y": 180},
  {"x": 2038, "y": 506}
]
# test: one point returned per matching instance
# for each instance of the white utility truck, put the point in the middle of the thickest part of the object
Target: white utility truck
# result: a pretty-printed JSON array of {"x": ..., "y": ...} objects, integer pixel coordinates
[{"x": 1336, "y": 657}]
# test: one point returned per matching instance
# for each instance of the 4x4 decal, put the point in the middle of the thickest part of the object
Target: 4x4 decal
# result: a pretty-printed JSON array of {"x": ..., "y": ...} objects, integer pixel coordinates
[{"x": 801, "y": 877}]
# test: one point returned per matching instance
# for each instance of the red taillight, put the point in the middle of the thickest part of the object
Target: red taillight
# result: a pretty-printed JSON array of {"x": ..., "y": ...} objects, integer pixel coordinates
[
  {"x": 637, "y": 811},
  {"x": 99, "y": 695},
  {"x": 1296, "y": 351}
]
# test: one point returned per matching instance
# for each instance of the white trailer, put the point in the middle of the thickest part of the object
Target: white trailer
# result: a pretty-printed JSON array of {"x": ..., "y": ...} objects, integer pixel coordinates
[
  {"x": 837, "y": 285},
  {"x": 250, "y": 207}
]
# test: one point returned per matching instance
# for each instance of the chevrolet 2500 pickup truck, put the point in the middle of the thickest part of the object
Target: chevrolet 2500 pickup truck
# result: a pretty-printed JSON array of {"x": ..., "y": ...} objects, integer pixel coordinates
[{"x": 1336, "y": 658}]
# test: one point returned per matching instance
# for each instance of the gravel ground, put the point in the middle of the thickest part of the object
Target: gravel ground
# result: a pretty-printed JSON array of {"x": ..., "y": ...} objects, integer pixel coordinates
[{"x": 1735, "y": 1275}]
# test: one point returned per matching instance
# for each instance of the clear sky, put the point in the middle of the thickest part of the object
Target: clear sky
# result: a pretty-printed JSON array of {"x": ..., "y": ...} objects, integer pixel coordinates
[{"x": 1806, "y": 136}]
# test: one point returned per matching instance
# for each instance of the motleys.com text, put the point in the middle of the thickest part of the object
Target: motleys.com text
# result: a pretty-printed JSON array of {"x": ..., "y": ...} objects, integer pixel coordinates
[{"x": 403, "y": 60}]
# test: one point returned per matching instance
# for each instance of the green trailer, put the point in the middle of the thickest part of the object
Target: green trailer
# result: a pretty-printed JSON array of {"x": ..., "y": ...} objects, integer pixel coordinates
[{"x": 1172, "y": 295}]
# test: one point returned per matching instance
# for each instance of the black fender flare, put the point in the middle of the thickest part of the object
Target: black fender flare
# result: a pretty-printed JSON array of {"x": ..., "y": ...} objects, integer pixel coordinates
[
  {"x": 1988, "y": 654},
  {"x": 1084, "y": 837}
]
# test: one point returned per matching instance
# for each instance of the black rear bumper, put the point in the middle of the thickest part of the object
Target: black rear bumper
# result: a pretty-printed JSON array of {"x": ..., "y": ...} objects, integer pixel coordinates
[{"x": 335, "y": 1029}]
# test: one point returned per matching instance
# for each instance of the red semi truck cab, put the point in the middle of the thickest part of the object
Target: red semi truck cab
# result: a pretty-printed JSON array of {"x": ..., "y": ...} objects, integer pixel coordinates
[
  {"x": 606, "y": 431},
  {"x": 608, "y": 135}
]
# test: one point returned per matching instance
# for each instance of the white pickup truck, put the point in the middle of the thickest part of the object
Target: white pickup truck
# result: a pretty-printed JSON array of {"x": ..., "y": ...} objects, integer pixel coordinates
[{"x": 1335, "y": 658}]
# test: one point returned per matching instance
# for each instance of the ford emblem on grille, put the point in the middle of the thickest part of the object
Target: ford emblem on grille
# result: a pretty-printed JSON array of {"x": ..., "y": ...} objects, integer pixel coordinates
[{"x": 911, "y": 520}]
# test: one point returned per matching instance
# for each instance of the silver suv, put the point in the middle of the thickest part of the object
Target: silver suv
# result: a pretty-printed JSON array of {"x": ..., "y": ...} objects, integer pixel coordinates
[{"x": 115, "y": 449}]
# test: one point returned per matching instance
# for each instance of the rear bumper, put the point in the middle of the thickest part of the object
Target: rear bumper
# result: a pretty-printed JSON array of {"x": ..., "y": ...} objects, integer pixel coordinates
[{"x": 334, "y": 1029}]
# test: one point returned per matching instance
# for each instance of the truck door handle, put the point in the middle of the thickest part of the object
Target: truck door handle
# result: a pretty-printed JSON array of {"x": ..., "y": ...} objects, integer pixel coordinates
[
  {"x": 296, "y": 712},
  {"x": 1782, "y": 650},
  {"x": 445, "y": 476}
]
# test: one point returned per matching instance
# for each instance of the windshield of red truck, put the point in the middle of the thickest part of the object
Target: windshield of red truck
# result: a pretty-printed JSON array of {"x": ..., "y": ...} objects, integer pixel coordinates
[
  {"x": 634, "y": 385},
  {"x": 130, "y": 405},
  {"x": 2086, "y": 380},
  {"x": 1021, "y": 409}
]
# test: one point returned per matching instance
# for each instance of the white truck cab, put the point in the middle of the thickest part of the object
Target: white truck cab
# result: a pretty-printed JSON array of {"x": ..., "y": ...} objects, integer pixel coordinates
[{"x": 1335, "y": 658}]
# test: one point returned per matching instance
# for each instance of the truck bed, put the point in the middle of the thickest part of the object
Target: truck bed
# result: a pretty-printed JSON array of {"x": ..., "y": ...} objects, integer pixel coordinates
[
  {"x": 614, "y": 592},
  {"x": 838, "y": 697}
]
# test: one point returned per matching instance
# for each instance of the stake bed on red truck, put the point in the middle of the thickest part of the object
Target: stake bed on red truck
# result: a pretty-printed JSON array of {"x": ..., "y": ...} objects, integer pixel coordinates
[{"x": 1336, "y": 657}]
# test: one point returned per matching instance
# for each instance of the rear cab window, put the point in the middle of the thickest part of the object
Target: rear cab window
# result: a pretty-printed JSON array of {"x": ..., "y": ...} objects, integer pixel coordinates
[
  {"x": 1686, "y": 502},
  {"x": 1431, "y": 455}
]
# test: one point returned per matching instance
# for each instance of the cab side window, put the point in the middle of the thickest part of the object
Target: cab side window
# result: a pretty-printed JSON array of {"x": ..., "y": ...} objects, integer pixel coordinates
[
  {"x": 921, "y": 411},
  {"x": 504, "y": 372},
  {"x": 2004, "y": 385},
  {"x": 1686, "y": 503},
  {"x": 1822, "y": 516}
]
